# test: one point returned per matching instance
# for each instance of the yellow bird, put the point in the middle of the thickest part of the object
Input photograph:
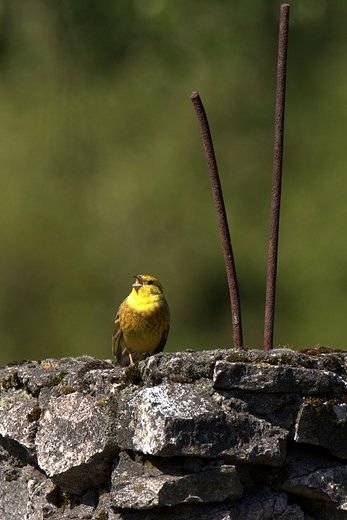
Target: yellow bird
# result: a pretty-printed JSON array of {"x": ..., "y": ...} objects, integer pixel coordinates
[{"x": 142, "y": 322}]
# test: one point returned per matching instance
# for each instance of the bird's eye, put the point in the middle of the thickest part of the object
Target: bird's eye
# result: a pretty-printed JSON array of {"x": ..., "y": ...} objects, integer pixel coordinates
[{"x": 150, "y": 282}]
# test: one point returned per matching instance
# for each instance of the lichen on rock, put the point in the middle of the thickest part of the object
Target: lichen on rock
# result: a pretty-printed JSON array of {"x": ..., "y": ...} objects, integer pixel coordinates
[{"x": 220, "y": 434}]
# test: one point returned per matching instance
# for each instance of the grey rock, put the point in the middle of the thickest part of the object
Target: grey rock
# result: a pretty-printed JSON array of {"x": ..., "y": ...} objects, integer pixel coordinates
[
  {"x": 278, "y": 409},
  {"x": 24, "y": 493},
  {"x": 276, "y": 379},
  {"x": 254, "y": 441},
  {"x": 53, "y": 375},
  {"x": 329, "y": 361},
  {"x": 169, "y": 420},
  {"x": 101, "y": 382},
  {"x": 180, "y": 367},
  {"x": 323, "y": 422},
  {"x": 64, "y": 421},
  {"x": 309, "y": 477},
  {"x": 260, "y": 506},
  {"x": 142, "y": 485},
  {"x": 265, "y": 506},
  {"x": 74, "y": 443},
  {"x": 326, "y": 485},
  {"x": 34, "y": 375},
  {"x": 187, "y": 367},
  {"x": 81, "y": 508},
  {"x": 18, "y": 419}
]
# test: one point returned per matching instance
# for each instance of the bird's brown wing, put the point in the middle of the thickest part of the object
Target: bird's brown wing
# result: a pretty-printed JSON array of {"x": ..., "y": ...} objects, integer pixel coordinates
[
  {"x": 121, "y": 355},
  {"x": 162, "y": 342},
  {"x": 117, "y": 339}
]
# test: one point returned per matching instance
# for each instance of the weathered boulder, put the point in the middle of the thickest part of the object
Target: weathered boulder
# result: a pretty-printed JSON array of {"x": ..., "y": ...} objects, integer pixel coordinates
[
  {"x": 276, "y": 379},
  {"x": 179, "y": 420},
  {"x": 151, "y": 483},
  {"x": 24, "y": 492},
  {"x": 18, "y": 420},
  {"x": 264, "y": 505},
  {"x": 323, "y": 422},
  {"x": 168, "y": 420},
  {"x": 75, "y": 442},
  {"x": 318, "y": 479},
  {"x": 254, "y": 441},
  {"x": 222, "y": 434}
]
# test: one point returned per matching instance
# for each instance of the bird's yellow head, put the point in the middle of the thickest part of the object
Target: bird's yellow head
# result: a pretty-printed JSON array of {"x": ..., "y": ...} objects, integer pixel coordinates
[{"x": 147, "y": 286}]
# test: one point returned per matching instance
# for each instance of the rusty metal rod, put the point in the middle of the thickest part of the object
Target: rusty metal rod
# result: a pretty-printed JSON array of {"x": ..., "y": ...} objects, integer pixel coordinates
[
  {"x": 222, "y": 219},
  {"x": 276, "y": 179}
]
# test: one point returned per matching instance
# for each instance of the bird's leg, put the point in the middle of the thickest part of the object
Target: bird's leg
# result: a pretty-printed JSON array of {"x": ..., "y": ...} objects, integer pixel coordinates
[{"x": 131, "y": 359}]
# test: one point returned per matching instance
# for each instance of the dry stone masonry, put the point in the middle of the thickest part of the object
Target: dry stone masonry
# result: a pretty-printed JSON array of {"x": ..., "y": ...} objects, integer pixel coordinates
[{"x": 211, "y": 435}]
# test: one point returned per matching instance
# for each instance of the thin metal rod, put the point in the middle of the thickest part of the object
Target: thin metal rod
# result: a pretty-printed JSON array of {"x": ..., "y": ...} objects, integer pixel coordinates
[
  {"x": 222, "y": 219},
  {"x": 276, "y": 178}
]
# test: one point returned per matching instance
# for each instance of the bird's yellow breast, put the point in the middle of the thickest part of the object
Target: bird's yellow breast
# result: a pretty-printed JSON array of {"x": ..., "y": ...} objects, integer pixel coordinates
[
  {"x": 145, "y": 302},
  {"x": 143, "y": 321}
]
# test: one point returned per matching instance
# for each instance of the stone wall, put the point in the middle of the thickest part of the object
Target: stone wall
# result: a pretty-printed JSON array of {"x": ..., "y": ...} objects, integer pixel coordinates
[{"x": 221, "y": 434}]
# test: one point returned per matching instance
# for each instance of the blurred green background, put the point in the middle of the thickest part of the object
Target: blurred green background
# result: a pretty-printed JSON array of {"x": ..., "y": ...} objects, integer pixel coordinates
[{"x": 103, "y": 174}]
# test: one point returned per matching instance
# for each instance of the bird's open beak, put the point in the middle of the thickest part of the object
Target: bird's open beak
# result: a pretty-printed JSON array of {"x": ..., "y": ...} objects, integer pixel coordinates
[{"x": 138, "y": 283}]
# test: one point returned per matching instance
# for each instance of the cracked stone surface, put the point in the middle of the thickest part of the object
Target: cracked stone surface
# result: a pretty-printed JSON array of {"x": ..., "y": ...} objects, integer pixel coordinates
[
  {"x": 169, "y": 420},
  {"x": 74, "y": 442},
  {"x": 276, "y": 379},
  {"x": 147, "y": 484},
  {"x": 222, "y": 434},
  {"x": 329, "y": 417}
]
